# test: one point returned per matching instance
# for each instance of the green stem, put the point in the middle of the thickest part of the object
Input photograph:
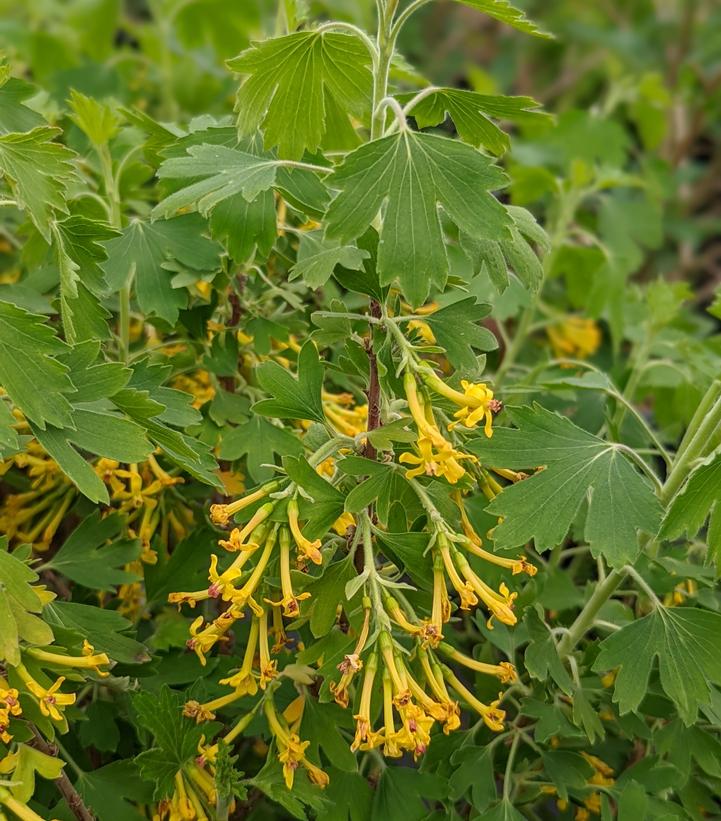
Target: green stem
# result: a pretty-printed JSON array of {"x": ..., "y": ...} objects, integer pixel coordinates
[
  {"x": 696, "y": 441},
  {"x": 604, "y": 590},
  {"x": 113, "y": 195},
  {"x": 509, "y": 767}
]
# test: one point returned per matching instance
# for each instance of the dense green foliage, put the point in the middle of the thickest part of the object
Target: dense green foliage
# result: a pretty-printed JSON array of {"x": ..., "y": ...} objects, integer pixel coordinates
[{"x": 359, "y": 361}]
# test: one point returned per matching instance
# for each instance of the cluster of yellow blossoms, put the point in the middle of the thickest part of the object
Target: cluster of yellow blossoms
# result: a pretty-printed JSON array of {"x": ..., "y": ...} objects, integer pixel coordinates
[
  {"x": 417, "y": 688},
  {"x": 434, "y": 454}
]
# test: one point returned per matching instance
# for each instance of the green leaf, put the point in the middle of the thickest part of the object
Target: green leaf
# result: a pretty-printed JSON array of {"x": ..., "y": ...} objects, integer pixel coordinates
[
  {"x": 114, "y": 791},
  {"x": 321, "y": 726},
  {"x": 88, "y": 558},
  {"x": 318, "y": 258},
  {"x": 515, "y": 252},
  {"x": 415, "y": 173},
  {"x": 14, "y": 115},
  {"x": 401, "y": 792},
  {"x": 541, "y": 658},
  {"x": 259, "y": 441},
  {"x": 632, "y": 802},
  {"x": 578, "y": 467},
  {"x": 327, "y": 593},
  {"x": 104, "y": 629},
  {"x": 176, "y": 738},
  {"x": 73, "y": 465},
  {"x": 95, "y": 119},
  {"x": 78, "y": 253},
  {"x": 221, "y": 172},
  {"x": 301, "y": 90},
  {"x": 29, "y": 763},
  {"x": 567, "y": 769},
  {"x": 29, "y": 370},
  {"x": 106, "y": 434},
  {"x": 471, "y": 114},
  {"x": 699, "y": 500},
  {"x": 502, "y": 10},
  {"x": 685, "y": 641},
  {"x": 38, "y": 171},
  {"x": 191, "y": 455},
  {"x": 145, "y": 247},
  {"x": 293, "y": 397},
  {"x": 19, "y": 606},
  {"x": 457, "y": 328},
  {"x": 504, "y": 811}
]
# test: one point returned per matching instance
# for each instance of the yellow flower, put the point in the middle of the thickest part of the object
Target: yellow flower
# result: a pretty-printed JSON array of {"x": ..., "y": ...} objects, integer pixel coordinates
[
  {"x": 221, "y": 514},
  {"x": 574, "y": 337},
  {"x": 50, "y": 699},
  {"x": 290, "y": 600},
  {"x": 243, "y": 681},
  {"x": 9, "y": 701},
  {"x": 309, "y": 549},
  {"x": 291, "y": 750},
  {"x": 493, "y": 717},
  {"x": 476, "y": 402},
  {"x": 505, "y": 672},
  {"x": 499, "y": 604},
  {"x": 343, "y": 523},
  {"x": 352, "y": 662},
  {"x": 430, "y": 462},
  {"x": 363, "y": 717}
]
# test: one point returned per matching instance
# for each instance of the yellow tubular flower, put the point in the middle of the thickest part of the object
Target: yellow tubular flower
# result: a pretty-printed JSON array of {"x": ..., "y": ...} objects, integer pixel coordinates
[
  {"x": 464, "y": 590},
  {"x": 393, "y": 742},
  {"x": 499, "y": 604},
  {"x": 203, "y": 640},
  {"x": 352, "y": 662},
  {"x": 9, "y": 699},
  {"x": 363, "y": 716},
  {"x": 238, "y": 536},
  {"x": 268, "y": 666},
  {"x": 310, "y": 550},
  {"x": 22, "y": 811},
  {"x": 505, "y": 671},
  {"x": 402, "y": 694},
  {"x": 89, "y": 660},
  {"x": 243, "y": 681},
  {"x": 50, "y": 700},
  {"x": 429, "y": 462},
  {"x": 493, "y": 717},
  {"x": 221, "y": 514},
  {"x": 398, "y": 616},
  {"x": 476, "y": 402},
  {"x": 244, "y": 594},
  {"x": 421, "y": 413},
  {"x": 516, "y": 566},
  {"x": 289, "y": 602},
  {"x": 291, "y": 750}
]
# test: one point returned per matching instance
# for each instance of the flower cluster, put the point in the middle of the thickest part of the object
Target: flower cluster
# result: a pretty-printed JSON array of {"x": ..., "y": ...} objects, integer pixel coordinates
[{"x": 403, "y": 665}]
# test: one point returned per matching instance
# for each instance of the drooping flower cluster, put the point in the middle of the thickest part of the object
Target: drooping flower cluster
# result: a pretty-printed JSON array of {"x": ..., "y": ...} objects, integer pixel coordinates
[{"x": 402, "y": 674}]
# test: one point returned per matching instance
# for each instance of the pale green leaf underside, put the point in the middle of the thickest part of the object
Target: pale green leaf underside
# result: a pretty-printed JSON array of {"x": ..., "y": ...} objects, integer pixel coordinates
[
  {"x": 413, "y": 174},
  {"x": 578, "y": 467},
  {"x": 300, "y": 90}
]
